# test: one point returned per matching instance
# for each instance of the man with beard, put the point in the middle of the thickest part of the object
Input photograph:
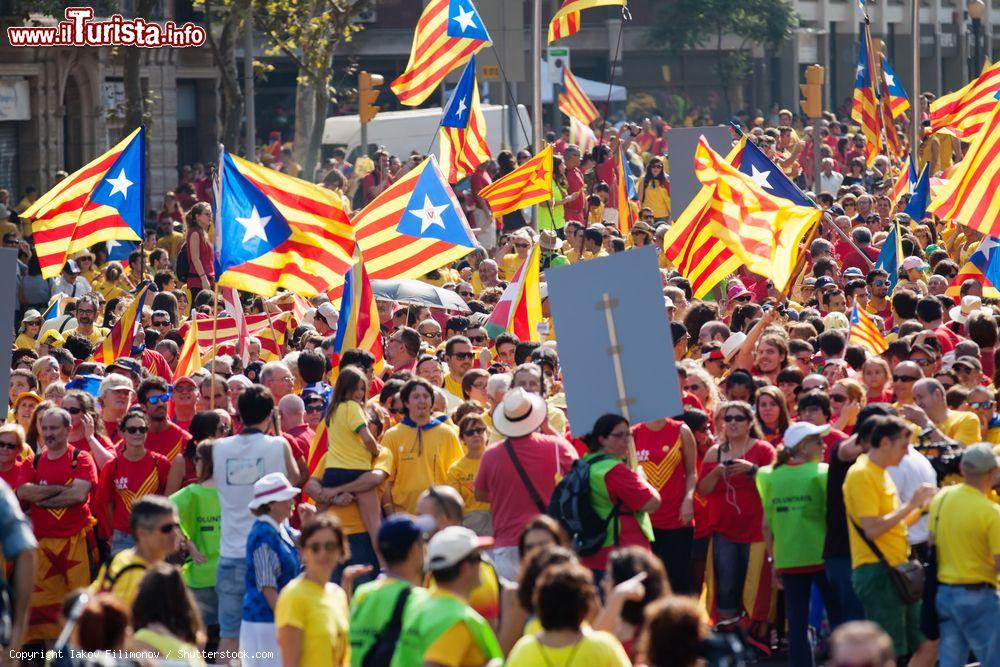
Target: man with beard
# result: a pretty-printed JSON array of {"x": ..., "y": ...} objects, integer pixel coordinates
[
  {"x": 86, "y": 313},
  {"x": 56, "y": 490},
  {"x": 459, "y": 355},
  {"x": 878, "y": 296}
]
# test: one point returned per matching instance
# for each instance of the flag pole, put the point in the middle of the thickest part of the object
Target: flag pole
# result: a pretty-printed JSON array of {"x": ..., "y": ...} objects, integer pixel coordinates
[
  {"x": 215, "y": 342},
  {"x": 915, "y": 126},
  {"x": 270, "y": 323},
  {"x": 536, "y": 89}
]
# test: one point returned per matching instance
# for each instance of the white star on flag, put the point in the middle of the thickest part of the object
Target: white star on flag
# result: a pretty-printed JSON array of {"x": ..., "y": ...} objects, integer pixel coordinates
[
  {"x": 120, "y": 184},
  {"x": 254, "y": 226},
  {"x": 461, "y": 107},
  {"x": 861, "y": 70},
  {"x": 760, "y": 177},
  {"x": 890, "y": 80},
  {"x": 112, "y": 244},
  {"x": 429, "y": 215},
  {"x": 465, "y": 19},
  {"x": 987, "y": 246}
]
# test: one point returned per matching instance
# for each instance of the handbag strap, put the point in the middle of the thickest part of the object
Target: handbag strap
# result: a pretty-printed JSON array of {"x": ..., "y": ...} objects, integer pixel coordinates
[
  {"x": 871, "y": 543},
  {"x": 523, "y": 474}
]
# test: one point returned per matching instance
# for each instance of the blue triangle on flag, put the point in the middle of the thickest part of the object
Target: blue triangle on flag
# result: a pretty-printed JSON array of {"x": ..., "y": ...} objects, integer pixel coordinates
[
  {"x": 123, "y": 186},
  {"x": 916, "y": 208},
  {"x": 464, "y": 21},
  {"x": 459, "y": 108},
  {"x": 118, "y": 251},
  {"x": 769, "y": 176},
  {"x": 250, "y": 226},
  {"x": 889, "y": 257},
  {"x": 433, "y": 211}
]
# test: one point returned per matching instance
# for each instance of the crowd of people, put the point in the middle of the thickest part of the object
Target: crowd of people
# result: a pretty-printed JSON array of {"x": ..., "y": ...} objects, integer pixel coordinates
[{"x": 813, "y": 500}]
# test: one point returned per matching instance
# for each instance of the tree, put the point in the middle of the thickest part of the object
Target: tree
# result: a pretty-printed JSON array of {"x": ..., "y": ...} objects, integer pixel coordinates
[
  {"x": 309, "y": 31},
  {"x": 682, "y": 25},
  {"x": 224, "y": 53}
]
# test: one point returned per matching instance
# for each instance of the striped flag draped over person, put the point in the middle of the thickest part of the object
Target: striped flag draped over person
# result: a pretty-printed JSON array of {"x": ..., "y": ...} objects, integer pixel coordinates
[
  {"x": 448, "y": 33},
  {"x": 864, "y": 108},
  {"x": 101, "y": 201},
  {"x": 414, "y": 226},
  {"x": 734, "y": 222},
  {"x": 574, "y": 102},
  {"x": 865, "y": 333},
  {"x": 463, "y": 129},
  {"x": 566, "y": 20},
  {"x": 966, "y": 110},
  {"x": 276, "y": 231},
  {"x": 118, "y": 342},
  {"x": 529, "y": 184},
  {"x": 519, "y": 309}
]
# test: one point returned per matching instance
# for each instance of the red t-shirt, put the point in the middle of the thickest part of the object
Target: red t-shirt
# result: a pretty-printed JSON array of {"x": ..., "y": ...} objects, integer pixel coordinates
[
  {"x": 850, "y": 257},
  {"x": 13, "y": 476},
  {"x": 884, "y": 396},
  {"x": 661, "y": 455},
  {"x": 831, "y": 440},
  {"x": 169, "y": 442},
  {"x": 607, "y": 172},
  {"x": 84, "y": 446},
  {"x": 112, "y": 430},
  {"x": 544, "y": 458},
  {"x": 156, "y": 363},
  {"x": 60, "y": 521},
  {"x": 947, "y": 338},
  {"x": 734, "y": 505},
  {"x": 575, "y": 183},
  {"x": 123, "y": 482},
  {"x": 624, "y": 487}
]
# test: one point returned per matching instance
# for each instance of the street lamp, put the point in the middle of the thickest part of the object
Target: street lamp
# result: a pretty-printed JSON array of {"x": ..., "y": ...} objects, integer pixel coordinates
[{"x": 976, "y": 9}]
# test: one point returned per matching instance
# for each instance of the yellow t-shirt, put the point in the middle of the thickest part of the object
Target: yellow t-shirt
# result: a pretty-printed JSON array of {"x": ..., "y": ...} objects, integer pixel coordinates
[
  {"x": 453, "y": 386},
  {"x": 461, "y": 477},
  {"x": 961, "y": 426},
  {"x": 966, "y": 528},
  {"x": 97, "y": 334},
  {"x": 993, "y": 435},
  {"x": 345, "y": 448},
  {"x": 349, "y": 515},
  {"x": 456, "y": 647},
  {"x": 420, "y": 459},
  {"x": 123, "y": 583},
  {"x": 595, "y": 649},
  {"x": 322, "y": 614},
  {"x": 869, "y": 491},
  {"x": 25, "y": 342},
  {"x": 511, "y": 263},
  {"x": 172, "y": 243}
]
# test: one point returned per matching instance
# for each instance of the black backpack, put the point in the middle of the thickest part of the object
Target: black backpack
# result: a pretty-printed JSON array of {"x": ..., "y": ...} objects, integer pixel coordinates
[
  {"x": 571, "y": 506},
  {"x": 183, "y": 269},
  {"x": 381, "y": 652}
]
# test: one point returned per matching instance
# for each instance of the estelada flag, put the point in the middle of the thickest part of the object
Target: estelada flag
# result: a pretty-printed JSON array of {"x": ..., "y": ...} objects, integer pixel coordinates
[
  {"x": 519, "y": 309},
  {"x": 529, "y": 184}
]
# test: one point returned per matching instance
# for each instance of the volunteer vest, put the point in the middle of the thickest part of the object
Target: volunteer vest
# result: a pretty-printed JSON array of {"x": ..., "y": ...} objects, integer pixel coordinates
[
  {"x": 601, "y": 499},
  {"x": 372, "y": 610},
  {"x": 424, "y": 623}
]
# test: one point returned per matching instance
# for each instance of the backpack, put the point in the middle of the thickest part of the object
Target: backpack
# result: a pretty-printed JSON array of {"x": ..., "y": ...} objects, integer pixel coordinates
[
  {"x": 183, "y": 269},
  {"x": 572, "y": 507},
  {"x": 382, "y": 650}
]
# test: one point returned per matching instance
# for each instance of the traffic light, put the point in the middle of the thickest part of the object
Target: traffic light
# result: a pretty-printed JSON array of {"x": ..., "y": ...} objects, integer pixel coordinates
[
  {"x": 812, "y": 92},
  {"x": 368, "y": 91}
]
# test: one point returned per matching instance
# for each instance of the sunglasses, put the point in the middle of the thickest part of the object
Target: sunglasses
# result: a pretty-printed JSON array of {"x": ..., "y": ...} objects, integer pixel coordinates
[
  {"x": 74, "y": 411},
  {"x": 980, "y": 405},
  {"x": 465, "y": 295},
  {"x": 169, "y": 528},
  {"x": 12, "y": 446},
  {"x": 477, "y": 339},
  {"x": 837, "y": 398},
  {"x": 904, "y": 378},
  {"x": 160, "y": 398},
  {"x": 136, "y": 429},
  {"x": 743, "y": 299},
  {"x": 522, "y": 245},
  {"x": 923, "y": 362},
  {"x": 464, "y": 355},
  {"x": 878, "y": 283},
  {"x": 475, "y": 431},
  {"x": 431, "y": 334},
  {"x": 162, "y": 323},
  {"x": 692, "y": 387},
  {"x": 735, "y": 418},
  {"x": 315, "y": 407},
  {"x": 328, "y": 547}
]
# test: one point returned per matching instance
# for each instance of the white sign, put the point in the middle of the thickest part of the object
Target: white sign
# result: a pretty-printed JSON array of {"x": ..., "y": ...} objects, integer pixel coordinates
[
  {"x": 15, "y": 100},
  {"x": 558, "y": 59}
]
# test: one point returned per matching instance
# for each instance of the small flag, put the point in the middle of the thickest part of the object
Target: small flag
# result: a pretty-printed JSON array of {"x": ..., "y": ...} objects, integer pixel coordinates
[
  {"x": 891, "y": 255},
  {"x": 448, "y": 33},
  {"x": 358, "y": 325},
  {"x": 898, "y": 101},
  {"x": 233, "y": 305},
  {"x": 99, "y": 202},
  {"x": 905, "y": 182},
  {"x": 574, "y": 102},
  {"x": 529, "y": 184},
  {"x": 865, "y": 333},
  {"x": 278, "y": 231},
  {"x": 463, "y": 129},
  {"x": 566, "y": 20},
  {"x": 582, "y": 135},
  {"x": 270, "y": 329},
  {"x": 118, "y": 343},
  {"x": 916, "y": 208},
  {"x": 519, "y": 309},
  {"x": 626, "y": 194},
  {"x": 864, "y": 108},
  {"x": 54, "y": 308},
  {"x": 189, "y": 358},
  {"x": 752, "y": 161}
]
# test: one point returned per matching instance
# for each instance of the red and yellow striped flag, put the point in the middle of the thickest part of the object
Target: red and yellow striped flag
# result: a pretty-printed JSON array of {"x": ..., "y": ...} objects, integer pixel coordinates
[
  {"x": 574, "y": 102},
  {"x": 358, "y": 324},
  {"x": 566, "y": 20},
  {"x": 865, "y": 107},
  {"x": 968, "y": 196},
  {"x": 760, "y": 231},
  {"x": 519, "y": 310},
  {"x": 865, "y": 333},
  {"x": 270, "y": 329},
  {"x": 968, "y": 109},
  {"x": 463, "y": 129},
  {"x": 529, "y": 184},
  {"x": 189, "y": 358},
  {"x": 447, "y": 35},
  {"x": 118, "y": 342}
]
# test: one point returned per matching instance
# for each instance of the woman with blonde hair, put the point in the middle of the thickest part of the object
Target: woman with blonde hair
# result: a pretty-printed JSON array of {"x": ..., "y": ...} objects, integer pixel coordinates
[
  {"x": 46, "y": 369},
  {"x": 877, "y": 379},
  {"x": 847, "y": 397},
  {"x": 700, "y": 383},
  {"x": 14, "y": 453}
]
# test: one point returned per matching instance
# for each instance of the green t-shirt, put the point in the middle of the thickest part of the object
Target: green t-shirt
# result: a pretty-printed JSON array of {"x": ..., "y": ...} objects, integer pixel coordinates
[
  {"x": 794, "y": 500},
  {"x": 554, "y": 218},
  {"x": 371, "y": 610},
  {"x": 199, "y": 512}
]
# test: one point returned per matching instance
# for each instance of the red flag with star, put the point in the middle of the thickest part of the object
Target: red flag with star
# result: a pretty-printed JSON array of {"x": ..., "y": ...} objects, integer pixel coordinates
[{"x": 529, "y": 184}]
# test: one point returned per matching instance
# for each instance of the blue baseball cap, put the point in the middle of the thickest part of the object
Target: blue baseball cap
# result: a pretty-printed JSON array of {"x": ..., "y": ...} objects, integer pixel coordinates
[{"x": 401, "y": 531}]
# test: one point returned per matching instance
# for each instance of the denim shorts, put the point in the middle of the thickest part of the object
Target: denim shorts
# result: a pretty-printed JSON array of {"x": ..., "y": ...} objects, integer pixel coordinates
[
  {"x": 208, "y": 604},
  {"x": 230, "y": 585}
]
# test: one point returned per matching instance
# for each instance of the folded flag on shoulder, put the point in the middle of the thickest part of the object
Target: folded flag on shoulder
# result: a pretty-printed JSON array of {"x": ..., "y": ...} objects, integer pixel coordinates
[
  {"x": 734, "y": 222},
  {"x": 566, "y": 20},
  {"x": 519, "y": 309},
  {"x": 414, "y": 226},
  {"x": 529, "y": 184},
  {"x": 865, "y": 333},
  {"x": 99, "y": 202},
  {"x": 463, "y": 129},
  {"x": 276, "y": 231},
  {"x": 118, "y": 342},
  {"x": 448, "y": 33}
]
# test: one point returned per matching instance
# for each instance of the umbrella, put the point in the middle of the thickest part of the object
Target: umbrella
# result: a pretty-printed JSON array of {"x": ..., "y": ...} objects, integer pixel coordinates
[{"x": 418, "y": 293}]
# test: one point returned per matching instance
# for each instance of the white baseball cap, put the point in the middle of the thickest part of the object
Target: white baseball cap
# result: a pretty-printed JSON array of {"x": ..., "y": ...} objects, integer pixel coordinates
[
  {"x": 453, "y": 544},
  {"x": 799, "y": 431}
]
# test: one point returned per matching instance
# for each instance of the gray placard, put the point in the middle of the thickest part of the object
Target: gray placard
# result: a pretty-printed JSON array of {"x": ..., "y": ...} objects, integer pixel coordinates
[{"x": 682, "y": 143}]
